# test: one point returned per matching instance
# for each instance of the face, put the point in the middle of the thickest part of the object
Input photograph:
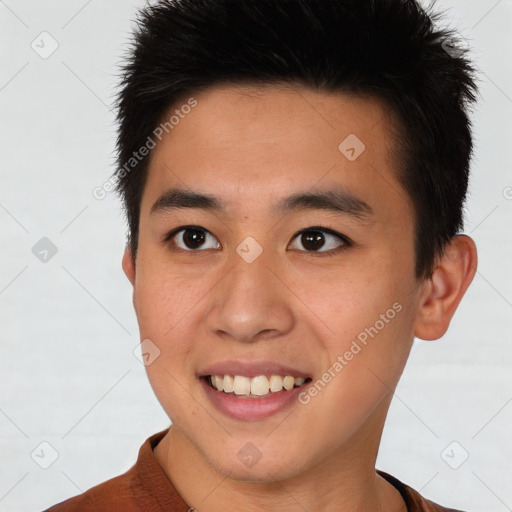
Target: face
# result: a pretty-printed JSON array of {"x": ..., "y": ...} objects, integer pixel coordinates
[{"x": 320, "y": 288}]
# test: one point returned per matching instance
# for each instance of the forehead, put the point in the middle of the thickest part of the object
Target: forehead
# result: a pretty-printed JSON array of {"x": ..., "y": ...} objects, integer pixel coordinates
[{"x": 250, "y": 144}]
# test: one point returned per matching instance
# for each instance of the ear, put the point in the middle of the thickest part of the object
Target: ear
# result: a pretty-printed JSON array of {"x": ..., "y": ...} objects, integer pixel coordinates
[
  {"x": 129, "y": 265},
  {"x": 446, "y": 287}
]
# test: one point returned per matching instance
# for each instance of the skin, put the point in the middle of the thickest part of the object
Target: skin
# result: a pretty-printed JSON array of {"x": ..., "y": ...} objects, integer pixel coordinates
[{"x": 251, "y": 146}]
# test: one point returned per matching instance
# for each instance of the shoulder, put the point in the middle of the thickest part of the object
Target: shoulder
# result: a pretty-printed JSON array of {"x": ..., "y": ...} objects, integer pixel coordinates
[
  {"x": 114, "y": 494},
  {"x": 413, "y": 499},
  {"x": 143, "y": 487}
]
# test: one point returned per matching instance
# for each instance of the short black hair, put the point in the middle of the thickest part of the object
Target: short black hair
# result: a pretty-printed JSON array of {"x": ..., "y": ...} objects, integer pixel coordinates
[{"x": 388, "y": 49}]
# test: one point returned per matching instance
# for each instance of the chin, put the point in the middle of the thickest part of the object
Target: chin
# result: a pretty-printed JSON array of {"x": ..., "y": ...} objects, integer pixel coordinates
[{"x": 263, "y": 466}]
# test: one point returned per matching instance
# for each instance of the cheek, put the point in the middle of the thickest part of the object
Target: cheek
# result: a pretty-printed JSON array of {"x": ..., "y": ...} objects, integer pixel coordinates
[
  {"x": 347, "y": 306},
  {"x": 170, "y": 385},
  {"x": 372, "y": 338},
  {"x": 165, "y": 317},
  {"x": 164, "y": 300},
  {"x": 361, "y": 376}
]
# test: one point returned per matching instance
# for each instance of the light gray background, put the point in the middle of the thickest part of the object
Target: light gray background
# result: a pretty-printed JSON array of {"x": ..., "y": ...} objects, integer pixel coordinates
[{"x": 69, "y": 375}]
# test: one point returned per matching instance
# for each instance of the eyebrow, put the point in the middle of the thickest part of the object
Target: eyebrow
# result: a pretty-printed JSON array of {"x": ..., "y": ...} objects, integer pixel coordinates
[{"x": 335, "y": 200}]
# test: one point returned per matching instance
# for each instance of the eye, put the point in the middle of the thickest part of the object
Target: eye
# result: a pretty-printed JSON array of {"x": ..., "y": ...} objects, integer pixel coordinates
[
  {"x": 314, "y": 239},
  {"x": 193, "y": 238}
]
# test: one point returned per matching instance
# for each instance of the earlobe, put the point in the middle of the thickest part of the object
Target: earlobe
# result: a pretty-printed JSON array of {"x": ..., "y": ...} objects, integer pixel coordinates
[
  {"x": 447, "y": 285},
  {"x": 128, "y": 265}
]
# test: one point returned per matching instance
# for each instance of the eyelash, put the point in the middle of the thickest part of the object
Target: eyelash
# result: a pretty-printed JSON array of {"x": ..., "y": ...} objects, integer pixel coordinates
[{"x": 332, "y": 252}]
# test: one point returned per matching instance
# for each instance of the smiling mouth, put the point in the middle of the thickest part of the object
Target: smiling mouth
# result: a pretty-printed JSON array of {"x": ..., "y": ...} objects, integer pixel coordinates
[{"x": 260, "y": 386}]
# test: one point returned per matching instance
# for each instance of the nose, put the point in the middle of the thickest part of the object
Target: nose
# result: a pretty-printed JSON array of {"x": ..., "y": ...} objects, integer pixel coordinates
[{"x": 251, "y": 302}]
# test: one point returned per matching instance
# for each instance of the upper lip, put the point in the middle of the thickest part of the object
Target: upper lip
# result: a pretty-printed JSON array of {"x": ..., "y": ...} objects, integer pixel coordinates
[{"x": 251, "y": 369}]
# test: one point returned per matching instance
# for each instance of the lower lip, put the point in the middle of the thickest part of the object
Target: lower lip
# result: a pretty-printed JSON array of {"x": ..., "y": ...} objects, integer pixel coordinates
[{"x": 251, "y": 408}]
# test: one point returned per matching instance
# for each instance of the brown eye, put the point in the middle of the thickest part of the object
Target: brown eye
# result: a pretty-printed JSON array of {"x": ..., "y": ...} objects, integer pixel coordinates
[
  {"x": 321, "y": 240},
  {"x": 191, "y": 238},
  {"x": 312, "y": 240}
]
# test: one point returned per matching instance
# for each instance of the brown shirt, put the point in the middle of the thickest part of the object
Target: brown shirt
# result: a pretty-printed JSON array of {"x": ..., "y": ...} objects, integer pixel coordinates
[{"x": 146, "y": 488}]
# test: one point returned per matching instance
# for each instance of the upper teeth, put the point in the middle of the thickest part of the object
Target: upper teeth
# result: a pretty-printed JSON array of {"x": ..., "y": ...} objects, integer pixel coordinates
[{"x": 260, "y": 385}]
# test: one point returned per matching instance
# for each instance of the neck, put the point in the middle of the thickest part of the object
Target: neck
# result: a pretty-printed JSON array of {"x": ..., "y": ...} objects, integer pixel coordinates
[{"x": 345, "y": 481}]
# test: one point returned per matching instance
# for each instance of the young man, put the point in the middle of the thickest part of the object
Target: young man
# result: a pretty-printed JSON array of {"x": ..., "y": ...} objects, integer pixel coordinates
[{"x": 294, "y": 174}]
